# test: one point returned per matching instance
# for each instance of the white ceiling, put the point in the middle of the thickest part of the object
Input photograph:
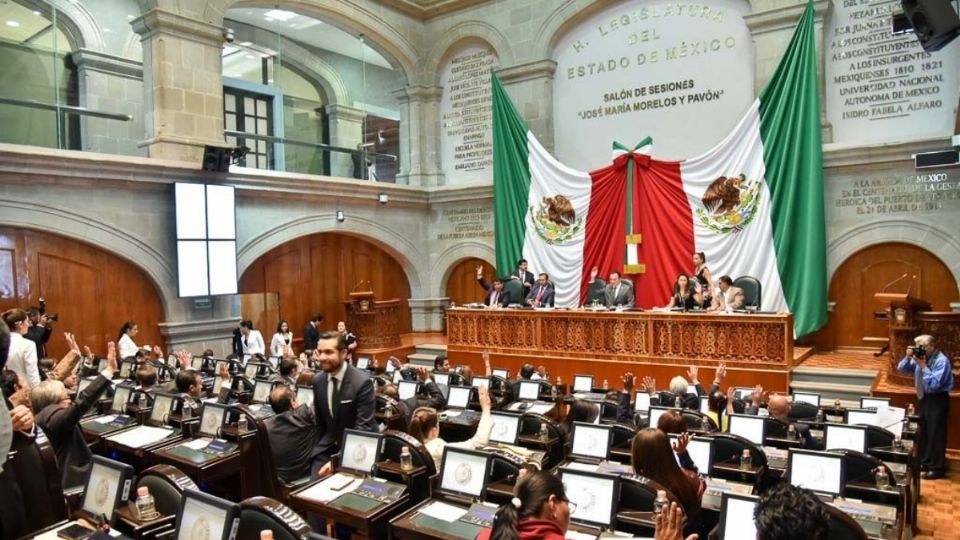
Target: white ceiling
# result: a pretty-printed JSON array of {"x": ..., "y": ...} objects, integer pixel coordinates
[{"x": 310, "y": 31}]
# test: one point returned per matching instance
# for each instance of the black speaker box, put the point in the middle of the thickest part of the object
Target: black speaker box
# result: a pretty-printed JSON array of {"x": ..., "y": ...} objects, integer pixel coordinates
[{"x": 934, "y": 22}]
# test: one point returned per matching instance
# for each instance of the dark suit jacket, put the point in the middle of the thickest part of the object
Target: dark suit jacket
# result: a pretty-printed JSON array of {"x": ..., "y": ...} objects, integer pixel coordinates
[
  {"x": 293, "y": 441},
  {"x": 624, "y": 296},
  {"x": 311, "y": 336},
  {"x": 546, "y": 299},
  {"x": 355, "y": 410},
  {"x": 434, "y": 398},
  {"x": 40, "y": 336},
  {"x": 595, "y": 291},
  {"x": 62, "y": 426},
  {"x": 526, "y": 277},
  {"x": 504, "y": 294}
]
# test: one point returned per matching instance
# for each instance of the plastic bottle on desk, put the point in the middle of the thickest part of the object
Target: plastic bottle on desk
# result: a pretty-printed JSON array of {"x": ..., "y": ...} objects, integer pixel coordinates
[
  {"x": 406, "y": 460},
  {"x": 266, "y": 534},
  {"x": 142, "y": 400},
  {"x": 746, "y": 460},
  {"x": 661, "y": 502},
  {"x": 146, "y": 507},
  {"x": 242, "y": 423},
  {"x": 819, "y": 416}
]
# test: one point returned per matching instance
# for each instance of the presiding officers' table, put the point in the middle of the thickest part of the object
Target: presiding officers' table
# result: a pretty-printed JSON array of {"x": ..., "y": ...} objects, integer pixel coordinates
[{"x": 607, "y": 343}]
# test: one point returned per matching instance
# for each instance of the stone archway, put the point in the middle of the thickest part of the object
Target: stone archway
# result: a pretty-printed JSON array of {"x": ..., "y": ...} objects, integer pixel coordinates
[
  {"x": 446, "y": 262},
  {"x": 464, "y": 34}
]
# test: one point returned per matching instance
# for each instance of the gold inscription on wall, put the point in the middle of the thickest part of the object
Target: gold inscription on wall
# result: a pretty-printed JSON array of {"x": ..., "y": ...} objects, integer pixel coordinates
[
  {"x": 474, "y": 223},
  {"x": 469, "y": 117},
  {"x": 898, "y": 194}
]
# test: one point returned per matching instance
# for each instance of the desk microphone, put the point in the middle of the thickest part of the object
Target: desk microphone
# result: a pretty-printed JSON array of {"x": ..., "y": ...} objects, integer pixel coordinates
[
  {"x": 887, "y": 286},
  {"x": 912, "y": 279}
]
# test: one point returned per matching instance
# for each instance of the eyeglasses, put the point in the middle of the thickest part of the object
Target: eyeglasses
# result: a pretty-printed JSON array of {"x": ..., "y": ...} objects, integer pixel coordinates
[{"x": 572, "y": 505}]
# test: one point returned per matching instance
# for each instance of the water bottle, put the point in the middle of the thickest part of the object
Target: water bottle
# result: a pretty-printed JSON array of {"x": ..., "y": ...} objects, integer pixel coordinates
[
  {"x": 266, "y": 534},
  {"x": 558, "y": 383},
  {"x": 678, "y": 403},
  {"x": 242, "y": 424},
  {"x": 544, "y": 433},
  {"x": 881, "y": 477},
  {"x": 897, "y": 442},
  {"x": 142, "y": 400},
  {"x": 185, "y": 411},
  {"x": 791, "y": 432},
  {"x": 836, "y": 404},
  {"x": 746, "y": 460},
  {"x": 661, "y": 502},
  {"x": 406, "y": 460},
  {"x": 819, "y": 416},
  {"x": 910, "y": 411},
  {"x": 606, "y": 385},
  {"x": 146, "y": 507}
]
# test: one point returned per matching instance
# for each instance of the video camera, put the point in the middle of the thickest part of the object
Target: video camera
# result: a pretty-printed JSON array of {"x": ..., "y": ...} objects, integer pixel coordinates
[
  {"x": 43, "y": 311},
  {"x": 918, "y": 352}
]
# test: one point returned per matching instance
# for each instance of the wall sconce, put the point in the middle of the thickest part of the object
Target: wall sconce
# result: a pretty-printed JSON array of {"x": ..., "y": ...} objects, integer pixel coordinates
[
  {"x": 383, "y": 198},
  {"x": 340, "y": 216}
]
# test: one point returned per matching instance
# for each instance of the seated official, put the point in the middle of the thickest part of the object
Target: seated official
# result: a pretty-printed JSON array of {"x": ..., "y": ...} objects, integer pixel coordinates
[
  {"x": 719, "y": 409},
  {"x": 541, "y": 294},
  {"x": 677, "y": 392},
  {"x": 147, "y": 379},
  {"x": 429, "y": 396},
  {"x": 933, "y": 380},
  {"x": 730, "y": 297},
  {"x": 596, "y": 289},
  {"x": 287, "y": 373},
  {"x": 190, "y": 388},
  {"x": 685, "y": 295},
  {"x": 540, "y": 510},
  {"x": 425, "y": 427},
  {"x": 293, "y": 434},
  {"x": 618, "y": 293},
  {"x": 651, "y": 456},
  {"x": 779, "y": 408},
  {"x": 496, "y": 294},
  {"x": 672, "y": 423},
  {"x": 785, "y": 512},
  {"x": 579, "y": 411},
  {"x": 60, "y": 420}
]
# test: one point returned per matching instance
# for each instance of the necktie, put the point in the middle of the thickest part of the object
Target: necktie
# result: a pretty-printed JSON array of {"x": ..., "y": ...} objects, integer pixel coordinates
[
  {"x": 335, "y": 397},
  {"x": 539, "y": 294},
  {"x": 616, "y": 292},
  {"x": 493, "y": 298}
]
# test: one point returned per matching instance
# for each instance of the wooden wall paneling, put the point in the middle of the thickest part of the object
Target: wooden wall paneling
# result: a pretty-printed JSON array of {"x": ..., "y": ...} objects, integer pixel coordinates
[
  {"x": 94, "y": 292},
  {"x": 462, "y": 287}
]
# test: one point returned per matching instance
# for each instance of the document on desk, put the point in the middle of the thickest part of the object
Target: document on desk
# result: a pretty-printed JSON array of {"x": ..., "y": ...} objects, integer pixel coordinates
[
  {"x": 141, "y": 436},
  {"x": 197, "y": 444},
  {"x": 577, "y": 466},
  {"x": 451, "y": 414},
  {"x": 324, "y": 492},
  {"x": 540, "y": 408},
  {"x": 444, "y": 512},
  {"x": 891, "y": 418},
  {"x": 106, "y": 419},
  {"x": 574, "y": 535}
]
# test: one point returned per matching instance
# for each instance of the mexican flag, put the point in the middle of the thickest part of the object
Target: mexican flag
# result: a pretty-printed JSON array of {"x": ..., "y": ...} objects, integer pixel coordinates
[{"x": 753, "y": 204}]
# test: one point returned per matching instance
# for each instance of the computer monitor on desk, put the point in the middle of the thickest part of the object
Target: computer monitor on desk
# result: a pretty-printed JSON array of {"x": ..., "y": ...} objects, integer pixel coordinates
[
  {"x": 463, "y": 472},
  {"x": 479, "y": 382},
  {"x": 363, "y": 362},
  {"x": 212, "y": 416},
  {"x": 874, "y": 403},
  {"x": 459, "y": 397},
  {"x": 844, "y": 437},
  {"x": 591, "y": 441},
  {"x": 736, "y": 517},
  {"x": 441, "y": 377},
  {"x": 506, "y": 427},
  {"x": 107, "y": 487},
  {"x": 206, "y": 516},
  {"x": 595, "y": 496},
  {"x": 196, "y": 362},
  {"x": 656, "y": 411},
  {"x": 121, "y": 395},
  {"x": 529, "y": 390},
  {"x": 821, "y": 472},
  {"x": 741, "y": 392},
  {"x": 751, "y": 428},
  {"x": 305, "y": 395},
  {"x": 261, "y": 391},
  {"x": 862, "y": 416},
  {"x": 807, "y": 397},
  {"x": 407, "y": 389},
  {"x": 700, "y": 450},
  {"x": 360, "y": 451},
  {"x": 583, "y": 383},
  {"x": 705, "y": 404},
  {"x": 162, "y": 403},
  {"x": 252, "y": 370},
  {"x": 641, "y": 402},
  {"x": 501, "y": 372}
]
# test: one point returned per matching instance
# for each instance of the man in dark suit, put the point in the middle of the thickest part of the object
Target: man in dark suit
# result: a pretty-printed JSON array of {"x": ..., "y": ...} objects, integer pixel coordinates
[
  {"x": 541, "y": 295},
  {"x": 293, "y": 434},
  {"x": 39, "y": 331},
  {"x": 596, "y": 289},
  {"x": 618, "y": 293},
  {"x": 496, "y": 294},
  {"x": 311, "y": 332},
  {"x": 525, "y": 276},
  {"x": 779, "y": 408},
  {"x": 343, "y": 397},
  {"x": 60, "y": 419}
]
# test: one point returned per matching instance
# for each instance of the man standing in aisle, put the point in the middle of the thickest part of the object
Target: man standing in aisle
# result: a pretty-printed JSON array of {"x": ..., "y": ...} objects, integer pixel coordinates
[
  {"x": 526, "y": 277},
  {"x": 311, "y": 332},
  {"x": 933, "y": 375}
]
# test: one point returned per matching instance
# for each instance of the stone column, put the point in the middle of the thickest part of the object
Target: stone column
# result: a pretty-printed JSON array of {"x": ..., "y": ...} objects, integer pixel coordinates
[
  {"x": 197, "y": 336},
  {"x": 110, "y": 84},
  {"x": 427, "y": 313},
  {"x": 183, "y": 87},
  {"x": 346, "y": 130},
  {"x": 530, "y": 86},
  {"x": 420, "y": 135}
]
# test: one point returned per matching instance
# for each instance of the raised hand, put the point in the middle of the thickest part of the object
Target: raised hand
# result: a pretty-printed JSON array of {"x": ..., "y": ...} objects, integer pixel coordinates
[
  {"x": 650, "y": 384},
  {"x": 721, "y": 373},
  {"x": 157, "y": 351},
  {"x": 87, "y": 352},
  {"x": 112, "y": 356},
  {"x": 183, "y": 358},
  {"x": 486, "y": 358},
  {"x": 222, "y": 371},
  {"x": 423, "y": 374},
  {"x": 628, "y": 381},
  {"x": 21, "y": 418},
  {"x": 670, "y": 524},
  {"x": 484, "y": 397},
  {"x": 682, "y": 440},
  {"x": 72, "y": 343},
  {"x": 692, "y": 373},
  {"x": 479, "y": 270}
]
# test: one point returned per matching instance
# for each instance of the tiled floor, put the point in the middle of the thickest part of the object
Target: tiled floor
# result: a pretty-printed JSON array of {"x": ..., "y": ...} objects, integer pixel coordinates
[{"x": 940, "y": 509}]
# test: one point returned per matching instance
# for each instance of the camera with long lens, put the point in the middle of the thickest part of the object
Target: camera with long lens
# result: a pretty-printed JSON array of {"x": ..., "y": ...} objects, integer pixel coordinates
[
  {"x": 918, "y": 352},
  {"x": 43, "y": 311}
]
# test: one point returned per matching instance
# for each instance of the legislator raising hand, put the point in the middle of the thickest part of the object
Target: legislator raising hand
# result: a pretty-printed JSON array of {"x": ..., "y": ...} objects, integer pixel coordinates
[
  {"x": 628, "y": 381},
  {"x": 650, "y": 385},
  {"x": 670, "y": 524}
]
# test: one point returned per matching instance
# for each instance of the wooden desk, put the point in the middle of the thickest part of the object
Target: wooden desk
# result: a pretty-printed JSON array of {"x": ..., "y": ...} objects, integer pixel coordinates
[
  {"x": 205, "y": 468},
  {"x": 607, "y": 344},
  {"x": 416, "y": 526},
  {"x": 367, "y": 522},
  {"x": 128, "y": 522}
]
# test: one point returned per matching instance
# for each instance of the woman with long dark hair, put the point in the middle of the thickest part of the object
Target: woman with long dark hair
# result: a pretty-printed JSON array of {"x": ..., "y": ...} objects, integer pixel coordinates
[
  {"x": 703, "y": 279},
  {"x": 282, "y": 343},
  {"x": 539, "y": 510},
  {"x": 652, "y": 456},
  {"x": 125, "y": 344},
  {"x": 425, "y": 427},
  {"x": 685, "y": 294}
]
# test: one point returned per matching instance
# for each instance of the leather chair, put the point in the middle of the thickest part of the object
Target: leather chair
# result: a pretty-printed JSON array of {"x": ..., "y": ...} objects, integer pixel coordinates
[
  {"x": 752, "y": 292},
  {"x": 623, "y": 435},
  {"x": 842, "y": 526},
  {"x": 608, "y": 410},
  {"x": 774, "y": 427},
  {"x": 167, "y": 484},
  {"x": 530, "y": 425},
  {"x": 879, "y": 437},
  {"x": 727, "y": 446},
  {"x": 257, "y": 470},
  {"x": 32, "y": 471},
  {"x": 418, "y": 484},
  {"x": 263, "y": 513},
  {"x": 802, "y": 411},
  {"x": 637, "y": 494}
]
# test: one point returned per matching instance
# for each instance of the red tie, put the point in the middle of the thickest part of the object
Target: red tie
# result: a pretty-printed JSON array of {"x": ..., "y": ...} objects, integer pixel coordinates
[{"x": 539, "y": 294}]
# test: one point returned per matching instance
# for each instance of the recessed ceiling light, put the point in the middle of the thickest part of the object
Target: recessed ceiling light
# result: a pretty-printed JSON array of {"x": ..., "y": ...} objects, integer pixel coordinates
[
  {"x": 281, "y": 15},
  {"x": 13, "y": 23}
]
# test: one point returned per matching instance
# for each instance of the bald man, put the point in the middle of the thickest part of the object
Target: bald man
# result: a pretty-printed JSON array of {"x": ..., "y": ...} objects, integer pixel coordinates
[{"x": 779, "y": 408}]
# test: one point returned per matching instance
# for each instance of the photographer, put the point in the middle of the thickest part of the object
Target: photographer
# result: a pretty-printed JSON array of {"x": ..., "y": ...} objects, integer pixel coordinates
[
  {"x": 40, "y": 328},
  {"x": 933, "y": 374}
]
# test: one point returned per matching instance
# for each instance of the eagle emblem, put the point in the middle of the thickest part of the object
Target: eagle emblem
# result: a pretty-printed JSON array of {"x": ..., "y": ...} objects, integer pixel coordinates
[
  {"x": 729, "y": 204},
  {"x": 555, "y": 219}
]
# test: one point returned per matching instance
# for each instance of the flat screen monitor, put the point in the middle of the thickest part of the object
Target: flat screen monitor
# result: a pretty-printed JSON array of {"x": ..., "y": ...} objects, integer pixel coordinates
[
  {"x": 251, "y": 370},
  {"x": 656, "y": 412},
  {"x": 506, "y": 426},
  {"x": 529, "y": 390},
  {"x": 817, "y": 471},
  {"x": 407, "y": 389},
  {"x": 479, "y": 382},
  {"x": 459, "y": 397},
  {"x": 196, "y": 362},
  {"x": 692, "y": 389},
  {"x": 741, "y": 392},
  {"x": 806, "y": 397},
  {"x": 305, "y": 395},
  {"x": 748, "y": 426},
  {"x": 705, "y": 404},
  {"x": 360, "y": 451},
  {"x": 206, "y": 516},
  {"x": 363, "y": 362},
  {"x": 736, "y": 517},
  {"x": 700, "y": 450},
  {"x": 274, "y": 361},
  {"x": 217, "y": 384},
  {"x": 212, "y": 416},
  {"x": 582, "y": 383},
  {"x": 390, "y": 368},
  {"x": 874, "y": 403},
  {"x": 591, "y": 440},
  {"x": 441, "y": 377},
  {"x": 595, "y": 495},
  {"x": 641, "y": 402},
  {"x": 397, "y": 376},
  {"x": 261, "y": 391},
  {"x": 843, "y": 437},
  {"x": 162, "y": 403},
  {"x": 120, "y": 398},
  {"x": 127, "y": 369},
  {"x": 464, "y": 472},
  {"x": 108, "y": 485},
  {"x": 862, "y": 416},
  {"x": 101, "y": 364},
  {"x": 502, "y": 372}
]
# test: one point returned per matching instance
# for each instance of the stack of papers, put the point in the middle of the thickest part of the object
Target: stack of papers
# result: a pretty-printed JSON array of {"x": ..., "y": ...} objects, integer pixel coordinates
[
  {"x": 141, "y": 436},
  {"x": 197, "y": 444},
  {"x": 444, "y": 512},
  {"x": 323, "y": 492}
]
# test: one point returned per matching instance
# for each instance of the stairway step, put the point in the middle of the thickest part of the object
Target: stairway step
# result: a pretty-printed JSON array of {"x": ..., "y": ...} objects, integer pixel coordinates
[
  {"x": 813, "y": 374},
  {"x": 437, "y": 348},
  {"x": 421, "y": 359}
]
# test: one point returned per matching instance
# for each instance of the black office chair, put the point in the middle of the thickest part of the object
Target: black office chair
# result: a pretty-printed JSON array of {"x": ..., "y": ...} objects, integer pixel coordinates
[
  {"x": 774, "y": 427},
  {"x": 608, "y": 411},
  {"x": 752, "y": 292},
  {"x": 800, "y": 410},
  {"x": 860, "y": 467},
  {"x": 263, "y": 513},
  {"x": 727, "y": 447},
  {"x": 842, "y": 526},
  {"x": 166, "y": 484},
  {"x": 530, "y": 425},
  {"x": 393, "y": 443},
  {"x": 879, "y": 437}
]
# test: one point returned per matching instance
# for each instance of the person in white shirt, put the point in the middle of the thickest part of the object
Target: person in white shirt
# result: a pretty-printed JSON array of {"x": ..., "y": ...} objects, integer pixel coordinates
[
  {"x": 282, "y": 342},
  {"x": 125, "y": 344},
  {"x": 22, "y": 353},
  {"x": 251, "y": 339}
]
